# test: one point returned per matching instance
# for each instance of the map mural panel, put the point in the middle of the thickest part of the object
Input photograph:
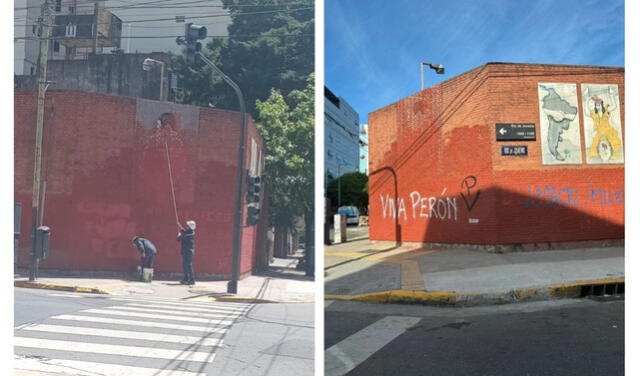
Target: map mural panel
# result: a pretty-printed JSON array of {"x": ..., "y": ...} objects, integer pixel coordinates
[
  {"x": 602, "y": 125},
  {"x": 559, "y": 123}
]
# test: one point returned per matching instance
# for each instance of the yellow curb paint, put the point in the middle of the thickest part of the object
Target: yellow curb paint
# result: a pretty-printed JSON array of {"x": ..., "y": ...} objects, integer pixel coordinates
[
  {"x": 566, "y": 290},
  {"x": 49, "y": 286}
]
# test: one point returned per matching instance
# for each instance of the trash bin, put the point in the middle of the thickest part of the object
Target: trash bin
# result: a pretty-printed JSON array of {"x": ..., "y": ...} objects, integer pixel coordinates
[{"x": 43, "y": 234}]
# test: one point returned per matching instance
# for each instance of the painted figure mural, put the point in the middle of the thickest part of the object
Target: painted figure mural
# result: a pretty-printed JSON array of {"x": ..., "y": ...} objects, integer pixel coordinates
[
  {"x": 559, "y": 123},
  {"x": 602, "y": 126}
]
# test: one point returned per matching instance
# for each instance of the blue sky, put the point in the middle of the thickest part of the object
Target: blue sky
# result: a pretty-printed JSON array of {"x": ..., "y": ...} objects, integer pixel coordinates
[{"x": 373, "y": 48}]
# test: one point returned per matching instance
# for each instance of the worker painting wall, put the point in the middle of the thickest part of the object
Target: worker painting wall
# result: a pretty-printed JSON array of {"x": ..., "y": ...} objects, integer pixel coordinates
[
  {"x": 440, "y": 173},
  {"x": 110, "y": 163}
]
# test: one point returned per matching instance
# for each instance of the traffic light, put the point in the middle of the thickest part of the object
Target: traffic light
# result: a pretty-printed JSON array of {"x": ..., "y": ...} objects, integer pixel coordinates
[
  {"x": 252, "y": 215},
  {"x": 253, "y": 189},
  {"x": 192, "y": 33}
]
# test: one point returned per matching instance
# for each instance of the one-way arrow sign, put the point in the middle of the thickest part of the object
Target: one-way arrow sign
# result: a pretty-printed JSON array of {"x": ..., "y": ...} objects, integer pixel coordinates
[{"x": 515, "y": 132}]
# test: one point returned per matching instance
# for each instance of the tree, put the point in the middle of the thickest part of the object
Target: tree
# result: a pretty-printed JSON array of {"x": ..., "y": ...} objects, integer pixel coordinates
[
  {"x": 288, "y": 131},
  {"x": 354, "y": 190},
  {"x": 270, "y": 45}
]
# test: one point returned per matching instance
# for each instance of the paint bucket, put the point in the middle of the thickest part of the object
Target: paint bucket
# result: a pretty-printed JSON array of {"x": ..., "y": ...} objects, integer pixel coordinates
[{"x": 147, "y": 274}]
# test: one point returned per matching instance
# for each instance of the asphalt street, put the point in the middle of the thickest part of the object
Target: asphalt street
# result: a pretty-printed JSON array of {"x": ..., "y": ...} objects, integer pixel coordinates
[
  {"x": 62, "y": 333},
  {"x": 564, "y": 337}
]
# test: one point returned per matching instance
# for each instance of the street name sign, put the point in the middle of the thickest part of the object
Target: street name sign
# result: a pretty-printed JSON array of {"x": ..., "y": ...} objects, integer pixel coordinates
[
  {"x": 515, "y": 132},
  {"x": 514, "y": 150}
]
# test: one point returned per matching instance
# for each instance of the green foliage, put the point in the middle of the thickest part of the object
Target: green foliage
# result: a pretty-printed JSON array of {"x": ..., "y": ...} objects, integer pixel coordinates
[
  {"x": 271, "y": 45},
  {"x": 288, "y": 131},
  {"x": 354, "y": 190}
]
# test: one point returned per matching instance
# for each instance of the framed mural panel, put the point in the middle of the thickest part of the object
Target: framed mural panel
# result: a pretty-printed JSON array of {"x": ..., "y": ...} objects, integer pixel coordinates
[
  {"x": 602, "y": 125},
  {"x": 559, "y": 124}
]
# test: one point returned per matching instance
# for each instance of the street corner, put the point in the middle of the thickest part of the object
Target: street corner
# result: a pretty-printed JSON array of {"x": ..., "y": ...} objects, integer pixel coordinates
[{"x": 59, "y": 287}]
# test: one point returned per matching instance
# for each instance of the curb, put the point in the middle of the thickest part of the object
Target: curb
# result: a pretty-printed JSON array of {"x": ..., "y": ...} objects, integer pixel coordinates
[
  {"x": 243, "y": 299},
  {"x": 51, "y": 286},
  {"x": 455, "y": 298}
]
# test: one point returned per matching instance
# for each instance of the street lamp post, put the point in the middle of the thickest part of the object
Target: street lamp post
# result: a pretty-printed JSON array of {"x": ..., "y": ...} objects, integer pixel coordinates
[
  {"x": 439, "y": 68},
  {"x": 149, "y": 64},
  {"x": 232, "y": 286}
]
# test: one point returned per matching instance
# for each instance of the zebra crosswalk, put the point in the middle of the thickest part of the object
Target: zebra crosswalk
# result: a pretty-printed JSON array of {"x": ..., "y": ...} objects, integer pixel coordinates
[
  {"x": 127, "y": 337},
  {"x": 346, "y": 355}
]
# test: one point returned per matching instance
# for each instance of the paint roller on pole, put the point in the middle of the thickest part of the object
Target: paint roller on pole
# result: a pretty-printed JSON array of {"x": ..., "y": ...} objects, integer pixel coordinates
[{"x": 193, "y": 33}]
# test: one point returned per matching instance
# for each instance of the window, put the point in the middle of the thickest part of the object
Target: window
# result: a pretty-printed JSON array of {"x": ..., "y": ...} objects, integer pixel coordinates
[
  {"x": 72, "y": 10},
  {"x": 58, "y": 5},
  {"x": 70, "y": 31},
  {"x": 32, "y": 71},
  {"x": 56, "y": 46},
  {"x": 33, "y": 29}
]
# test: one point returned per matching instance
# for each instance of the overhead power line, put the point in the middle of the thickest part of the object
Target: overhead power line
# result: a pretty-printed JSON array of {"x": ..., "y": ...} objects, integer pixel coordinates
[
  {"x": 182, "y": 5},
  {"x": 175, "y": 36},
  {"x": 204, "y": 16}
]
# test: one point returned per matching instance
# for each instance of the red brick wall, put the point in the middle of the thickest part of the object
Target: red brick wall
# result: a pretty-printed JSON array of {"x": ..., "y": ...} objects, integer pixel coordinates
[
  {"x": 441, "y": 143},
  {"x": 105, "y": 184}
]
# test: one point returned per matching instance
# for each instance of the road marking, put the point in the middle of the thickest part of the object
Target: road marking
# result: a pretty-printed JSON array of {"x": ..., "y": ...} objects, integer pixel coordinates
[
  {"x": 76, "y": 367},
  {"x": 182, "y": 303},
  {"x": 230, "y": 315},
  {"x": 349, "y": 353},
  {"x": 66, "y": 295},
  {"x": 115, "y": 312},
  {"x": 150, "y": 324},
  {"x": 189, "y": 309},
  {"x": 100, "y": 348},
  {"x": 111, "y": 333}
]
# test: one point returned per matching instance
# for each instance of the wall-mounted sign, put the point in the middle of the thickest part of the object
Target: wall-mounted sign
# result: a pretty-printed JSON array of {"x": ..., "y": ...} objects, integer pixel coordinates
[
  {"x": 514, "y": 150},
  {"x": 515, "y": 132}
]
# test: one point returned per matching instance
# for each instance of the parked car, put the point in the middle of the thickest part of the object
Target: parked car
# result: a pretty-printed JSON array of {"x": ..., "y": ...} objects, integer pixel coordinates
[{"x": 352, "y": 213}]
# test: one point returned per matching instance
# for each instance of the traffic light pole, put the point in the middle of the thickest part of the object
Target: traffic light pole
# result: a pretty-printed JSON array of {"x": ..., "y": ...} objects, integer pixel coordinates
[{"x": 232, "y": 286}]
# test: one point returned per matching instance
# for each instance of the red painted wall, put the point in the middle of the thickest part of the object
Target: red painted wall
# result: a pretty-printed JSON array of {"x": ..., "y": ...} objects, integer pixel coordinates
[
  {"x": 108, "y": 180},
  {"x": 434, "y": 158}
]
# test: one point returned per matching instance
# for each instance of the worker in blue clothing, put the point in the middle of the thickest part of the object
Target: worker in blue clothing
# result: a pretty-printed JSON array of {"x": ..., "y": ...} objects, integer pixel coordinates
[
  {"x": 147, "y": 250},
  {"x": 187, "y": 249}
]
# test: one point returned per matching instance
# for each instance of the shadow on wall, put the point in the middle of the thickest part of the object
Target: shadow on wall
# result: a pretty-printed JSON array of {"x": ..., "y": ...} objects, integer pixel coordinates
[{"x": 472, "y": 215}]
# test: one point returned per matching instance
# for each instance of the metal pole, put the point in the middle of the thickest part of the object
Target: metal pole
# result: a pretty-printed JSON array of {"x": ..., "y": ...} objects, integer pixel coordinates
[
  {"x": 339, "y": 184},
  {"x": 47, "y": 20},
  {"x": 161, "y": 80},
  {"x": 95, "y": 27},
  {"x": 421, "y": 76},
  {"x": 232, "y": 286}
]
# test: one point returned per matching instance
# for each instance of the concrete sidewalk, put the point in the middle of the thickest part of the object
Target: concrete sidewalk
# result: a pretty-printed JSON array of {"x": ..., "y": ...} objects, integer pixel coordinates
[
  {"x": 282, "y": 283},
  {"x": 381, "y": 272}
]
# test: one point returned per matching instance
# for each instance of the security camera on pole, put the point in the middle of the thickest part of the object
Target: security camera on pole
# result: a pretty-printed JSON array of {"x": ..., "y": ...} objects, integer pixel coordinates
[{"x": 193, "y": 33}]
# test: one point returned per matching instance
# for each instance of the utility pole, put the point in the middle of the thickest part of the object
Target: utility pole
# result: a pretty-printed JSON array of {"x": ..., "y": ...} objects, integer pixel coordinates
[
  {"x": 95, "y": 27},
  {"x": 46, "y": 22}
]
